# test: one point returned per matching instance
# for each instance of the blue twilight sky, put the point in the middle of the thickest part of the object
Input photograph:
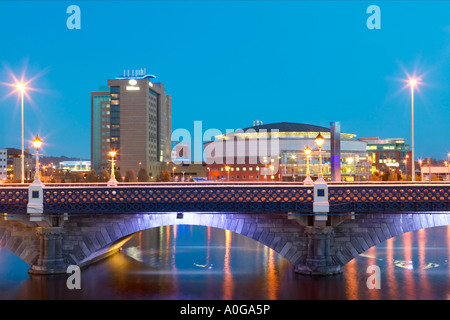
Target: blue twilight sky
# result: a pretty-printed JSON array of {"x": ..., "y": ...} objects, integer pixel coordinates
[{"x": 228, "y": 63}]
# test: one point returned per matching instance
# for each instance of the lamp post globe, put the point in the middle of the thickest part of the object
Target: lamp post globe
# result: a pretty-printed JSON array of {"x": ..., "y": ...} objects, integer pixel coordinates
[
  {"x": 37, "y": 143},
  {"x": 319, "y": 141},
  {"x": 112, "y": 180}
]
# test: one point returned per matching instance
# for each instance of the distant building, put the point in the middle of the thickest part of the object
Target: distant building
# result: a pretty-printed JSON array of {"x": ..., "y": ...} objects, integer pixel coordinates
[
  {"x": 81, "y": 165},
  {"x": 14, "y": 164},
  {"x": 251, "y": 154},
  {"x": 434, "y": 173},
  {"x": 3, "y": 164},
  {"x": 389, "y": 154},
  {"x": 133, "y": 116}
]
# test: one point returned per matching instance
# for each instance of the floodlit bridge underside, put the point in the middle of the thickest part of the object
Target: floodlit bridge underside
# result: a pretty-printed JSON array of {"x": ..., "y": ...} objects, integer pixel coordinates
[{"x": 84, "y": 239}]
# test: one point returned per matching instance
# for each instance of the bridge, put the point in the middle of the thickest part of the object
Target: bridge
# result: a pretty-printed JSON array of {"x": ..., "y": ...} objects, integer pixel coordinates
[{"x": 317, "y": 228}]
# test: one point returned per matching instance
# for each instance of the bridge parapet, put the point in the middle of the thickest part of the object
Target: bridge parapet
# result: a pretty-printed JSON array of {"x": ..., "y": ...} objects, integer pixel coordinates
[
  {"x": 235, "y": 197},
  {"x": 179, "y": 198},
  {"x": 393, "y": 197}
]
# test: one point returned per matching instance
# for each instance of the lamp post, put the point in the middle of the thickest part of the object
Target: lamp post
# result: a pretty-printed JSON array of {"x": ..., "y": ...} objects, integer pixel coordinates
[
  {"x": 37, "y": 143},
  {"x": 448, "y": 166},
  {"x": 412, "y": 83},
  {"x": 112, "y": 180},
  {"x": 308, "y": 179},
  {"x": 421, "y": 175},
  {"x": 173, "y": 173},
  {"x": 21, "y": 88},
  {"x": 319, "y": 141}
]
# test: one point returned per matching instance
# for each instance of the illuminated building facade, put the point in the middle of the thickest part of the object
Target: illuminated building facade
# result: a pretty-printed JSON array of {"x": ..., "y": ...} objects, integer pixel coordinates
[
  {"x": 134, "y": 117},
  {"x": 389, "y": 154},
  {"x": 81, "y": 165},
  {"x": 275, "y": 152}
]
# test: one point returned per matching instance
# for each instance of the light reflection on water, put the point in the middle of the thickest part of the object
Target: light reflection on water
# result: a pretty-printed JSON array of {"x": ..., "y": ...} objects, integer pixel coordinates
[{"x": 193, "y": 262}]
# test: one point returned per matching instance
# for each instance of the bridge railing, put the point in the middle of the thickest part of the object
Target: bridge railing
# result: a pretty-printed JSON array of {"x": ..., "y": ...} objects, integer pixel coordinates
[
  {"x": 229, "y": 197},
  {"x": 185, "y": 198}
]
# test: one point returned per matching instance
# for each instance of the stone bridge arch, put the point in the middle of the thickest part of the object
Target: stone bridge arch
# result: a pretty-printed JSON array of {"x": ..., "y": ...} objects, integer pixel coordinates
[
  {"x": 89, "y": 238},
  {"x": 355, "y": 236},
  {"x": 21, "y": 239},
  {"x": 313, "y": 250}
]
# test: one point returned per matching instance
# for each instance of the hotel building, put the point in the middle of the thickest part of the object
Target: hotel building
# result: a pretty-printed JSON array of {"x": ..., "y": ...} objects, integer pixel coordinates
[{"x": 133, "y": 116}]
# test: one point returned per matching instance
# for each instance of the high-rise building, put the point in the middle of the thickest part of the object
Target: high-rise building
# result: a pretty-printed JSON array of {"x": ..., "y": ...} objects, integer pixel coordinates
[{"x": 133, "y": 116}]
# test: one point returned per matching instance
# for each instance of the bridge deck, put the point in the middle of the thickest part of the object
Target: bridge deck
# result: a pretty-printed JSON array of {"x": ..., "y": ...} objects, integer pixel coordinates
[{"x": 229, "y": 197}]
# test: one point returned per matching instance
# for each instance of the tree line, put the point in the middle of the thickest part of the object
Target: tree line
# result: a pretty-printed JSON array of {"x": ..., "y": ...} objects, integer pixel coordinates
[{"x": 104, "y": 176}]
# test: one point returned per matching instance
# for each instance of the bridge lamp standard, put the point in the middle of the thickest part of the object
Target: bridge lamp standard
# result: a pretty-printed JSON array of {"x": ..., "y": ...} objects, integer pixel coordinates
[
  {"x": 37, "y": 143},
  {"x": 319, "y": 141},
  {"x": 448, "y": 165},
  {"x": 173, "y": 173},
  {"x": 308, "y": 179},
  {"x": 412, "y": 83},
  {"x": 112, "y": 180}
]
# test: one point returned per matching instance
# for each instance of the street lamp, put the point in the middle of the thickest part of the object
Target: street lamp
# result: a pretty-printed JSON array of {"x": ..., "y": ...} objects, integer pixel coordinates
[
  {"x": 448, "y": 169},
  {"x": 308, "y": 179},
  {"x": 112, "y": 180},
  {"x": 37, "y": 143},
  {"x": 412, "y": 83},
  {"x": 173, "y": 173},
  {"x": 227, "y": 169},
  {"x": 421, "y": 175},
  {"x": 21, "y": 88},
  {"x": 319, "y": 141}
]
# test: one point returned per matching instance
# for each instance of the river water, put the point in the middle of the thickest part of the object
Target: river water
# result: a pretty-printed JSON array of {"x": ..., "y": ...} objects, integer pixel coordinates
[{"x": 204, "y": 263}]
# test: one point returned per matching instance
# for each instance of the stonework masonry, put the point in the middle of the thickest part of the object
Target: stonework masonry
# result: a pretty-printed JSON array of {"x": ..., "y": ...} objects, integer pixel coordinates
[{"x": 324, "y": 250}]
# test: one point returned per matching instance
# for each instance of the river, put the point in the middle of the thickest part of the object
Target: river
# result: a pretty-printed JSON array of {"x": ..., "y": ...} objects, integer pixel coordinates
[{"x": 203, "y": 263}]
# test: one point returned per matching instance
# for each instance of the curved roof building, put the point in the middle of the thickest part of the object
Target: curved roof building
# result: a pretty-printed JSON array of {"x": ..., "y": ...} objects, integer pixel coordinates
[{"x": 276, "y": 151}]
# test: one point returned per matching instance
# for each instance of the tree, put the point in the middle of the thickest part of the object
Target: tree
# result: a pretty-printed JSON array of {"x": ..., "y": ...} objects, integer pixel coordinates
[
  {"x": 386, "y": 175},
  {"x": 376, "y": 176},
  {"x": 130, "y": 176},
  {"x": 118, "y": 175},
  {"x": 164, "y": 176},
  {"x": 92, "y": 176},
  {"x": 104, "y": 175},
  {"x": 142, "y": 175}
]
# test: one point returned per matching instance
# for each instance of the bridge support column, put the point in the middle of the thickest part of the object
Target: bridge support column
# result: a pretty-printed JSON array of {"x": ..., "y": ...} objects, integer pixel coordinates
[
  {"x": 321, "y": 206},
  {"x": 35, "y": 206},
  {"x": 50, "y": 259},
  {"x": 318, "y": 260}
]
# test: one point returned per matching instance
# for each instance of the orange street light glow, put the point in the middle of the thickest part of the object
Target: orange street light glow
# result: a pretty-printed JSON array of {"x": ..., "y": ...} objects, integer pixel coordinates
[{"x": 37, "y": 143}]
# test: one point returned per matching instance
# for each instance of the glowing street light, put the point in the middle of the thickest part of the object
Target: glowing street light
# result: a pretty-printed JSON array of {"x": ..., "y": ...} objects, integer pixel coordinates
[
  {"x": 112, "y": 180},
  {"x": 21, "y": 87},
  {"x": 308, "y": 179},
  {"x": 173, "y": 174},
  {"x": 37, "y": 143},
  {"x": 227, "y": 169},
  {"x": 319, "y": 141},
  {"x": 412, "y": 83}
]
